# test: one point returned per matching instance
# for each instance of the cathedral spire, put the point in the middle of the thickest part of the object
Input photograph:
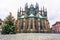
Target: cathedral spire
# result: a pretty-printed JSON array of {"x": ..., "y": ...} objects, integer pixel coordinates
[
  {"x": 41, "y": 11},
  {"x": 10, "y": 13},
  {"x": 26, "y": 5},
  {"x": 44, "y": 11},
  {"x": 20, "y": 9},
  {"x": 37, "y": 6},
  {"x": 19, "y": 13},
  {"x": 43, "y": 8}
]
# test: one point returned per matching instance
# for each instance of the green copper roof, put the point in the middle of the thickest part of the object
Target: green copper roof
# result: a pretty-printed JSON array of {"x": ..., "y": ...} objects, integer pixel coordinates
[
  {"x": 22, "y": 16},
  {"x": 41, "y": 16},
  {"x": 31, "y": 15}
]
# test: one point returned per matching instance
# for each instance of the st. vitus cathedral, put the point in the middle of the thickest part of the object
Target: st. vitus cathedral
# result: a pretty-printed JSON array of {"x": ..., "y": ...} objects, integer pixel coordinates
[{"x": 32, "y": 19}]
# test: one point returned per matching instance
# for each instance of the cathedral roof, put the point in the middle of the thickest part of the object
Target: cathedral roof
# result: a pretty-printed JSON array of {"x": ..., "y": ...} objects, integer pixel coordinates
[
  {"x": 22, "y": 17},
  {"x": 31, "y": 15},
  {"x": 40, "y": 16}
]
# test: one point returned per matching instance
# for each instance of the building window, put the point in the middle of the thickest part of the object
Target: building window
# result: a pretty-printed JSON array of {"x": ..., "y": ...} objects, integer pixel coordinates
[
  {"x": 41, "y": 24},
  {"x": 35, "y": 24},
  {"x": 22, "y": 24},
  {"x": 31, "y": 25}
]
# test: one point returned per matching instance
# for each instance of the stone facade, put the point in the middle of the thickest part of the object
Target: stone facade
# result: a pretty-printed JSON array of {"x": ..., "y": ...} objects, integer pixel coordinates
[{"x": 32, "y": 19}]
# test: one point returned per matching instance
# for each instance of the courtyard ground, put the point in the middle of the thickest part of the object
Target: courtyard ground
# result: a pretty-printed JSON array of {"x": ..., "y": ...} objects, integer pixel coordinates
[{"x": 30, "y": 36}]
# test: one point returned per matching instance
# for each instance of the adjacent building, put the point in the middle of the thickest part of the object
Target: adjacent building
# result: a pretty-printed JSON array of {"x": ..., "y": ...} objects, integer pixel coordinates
[
  {"x": 1, "y": 22},
  {"x": 32, "y": 19},
  {"x": 56, "y": 27}
]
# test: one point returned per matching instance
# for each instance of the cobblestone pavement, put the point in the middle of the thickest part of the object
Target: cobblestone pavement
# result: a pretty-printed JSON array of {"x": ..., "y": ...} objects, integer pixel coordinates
[{"x": 30, "y": 36}]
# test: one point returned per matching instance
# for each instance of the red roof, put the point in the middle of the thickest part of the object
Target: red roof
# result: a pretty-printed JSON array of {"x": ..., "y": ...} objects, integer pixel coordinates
[{"x": 58, "y": 22}]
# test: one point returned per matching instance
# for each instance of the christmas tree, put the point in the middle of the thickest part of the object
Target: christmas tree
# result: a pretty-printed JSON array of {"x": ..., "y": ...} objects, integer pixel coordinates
[{"x": 8, "y": 27}]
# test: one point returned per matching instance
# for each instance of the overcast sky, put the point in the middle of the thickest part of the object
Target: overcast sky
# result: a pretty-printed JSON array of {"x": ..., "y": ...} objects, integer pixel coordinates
[{"x": 53, "y": 8}]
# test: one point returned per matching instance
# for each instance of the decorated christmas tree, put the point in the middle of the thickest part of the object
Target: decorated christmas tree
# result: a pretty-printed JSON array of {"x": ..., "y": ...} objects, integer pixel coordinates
[{"x": 8, "y": 26}]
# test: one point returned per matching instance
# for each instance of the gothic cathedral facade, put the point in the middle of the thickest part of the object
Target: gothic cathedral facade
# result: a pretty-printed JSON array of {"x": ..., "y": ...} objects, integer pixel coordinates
[{"x": 32, "y": 19}]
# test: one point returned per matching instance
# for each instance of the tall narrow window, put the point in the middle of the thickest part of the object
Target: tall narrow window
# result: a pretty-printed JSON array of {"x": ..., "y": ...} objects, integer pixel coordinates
[
  {"x": 41, "y": 24},
  {"x": 22, "y": 24},
  {"x": 35, "y": 24},
  {"x": 31, "y": 23}
]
